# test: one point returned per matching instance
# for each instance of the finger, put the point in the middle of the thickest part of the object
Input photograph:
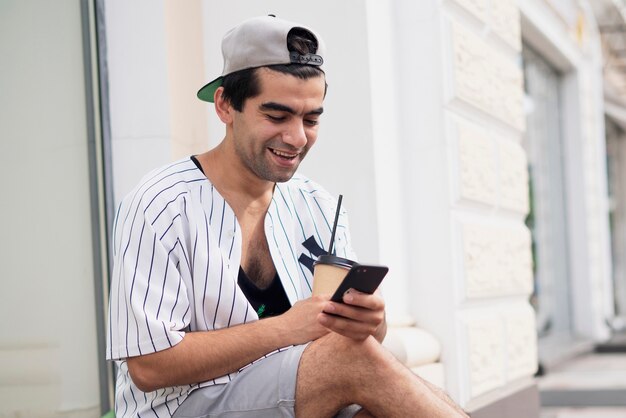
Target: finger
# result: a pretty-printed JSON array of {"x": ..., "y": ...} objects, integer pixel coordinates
[
  {"x": 364, "y": 300},
  {"x": 347, "y": 327},
  {"x": 355, "y": 313}
]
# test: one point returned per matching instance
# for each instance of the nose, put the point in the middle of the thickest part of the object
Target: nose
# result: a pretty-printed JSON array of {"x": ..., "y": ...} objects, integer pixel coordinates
[{"x": 295, "y": 135}]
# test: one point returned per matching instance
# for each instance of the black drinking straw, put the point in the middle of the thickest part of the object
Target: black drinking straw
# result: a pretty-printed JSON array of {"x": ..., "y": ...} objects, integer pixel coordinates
[{"x": 332, "y": 237}]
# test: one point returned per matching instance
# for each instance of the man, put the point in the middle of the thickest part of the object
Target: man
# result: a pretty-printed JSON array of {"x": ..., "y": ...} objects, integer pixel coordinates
[{"x": 208, "y": 245}]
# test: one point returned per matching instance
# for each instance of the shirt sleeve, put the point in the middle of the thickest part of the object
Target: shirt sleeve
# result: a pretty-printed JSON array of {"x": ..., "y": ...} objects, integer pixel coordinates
[{"x": 149, "y": 306}]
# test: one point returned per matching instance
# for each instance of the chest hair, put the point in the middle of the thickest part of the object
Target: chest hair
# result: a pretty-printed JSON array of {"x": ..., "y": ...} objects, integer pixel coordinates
[{"x": 256, "y": 260}]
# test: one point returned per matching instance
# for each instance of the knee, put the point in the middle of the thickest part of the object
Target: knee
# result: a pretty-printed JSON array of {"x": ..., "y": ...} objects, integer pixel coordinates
[
  {"x": 356, "y": 367},
  {"x": 367, "y": 353}
]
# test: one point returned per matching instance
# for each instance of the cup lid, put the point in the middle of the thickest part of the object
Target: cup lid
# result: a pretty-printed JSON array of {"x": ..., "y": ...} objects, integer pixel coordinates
[{"x": 333, "y": 259}]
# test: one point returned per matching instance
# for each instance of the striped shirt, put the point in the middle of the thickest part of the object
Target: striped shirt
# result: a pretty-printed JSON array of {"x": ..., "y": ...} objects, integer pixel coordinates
[{"x": 177, "y": 251}]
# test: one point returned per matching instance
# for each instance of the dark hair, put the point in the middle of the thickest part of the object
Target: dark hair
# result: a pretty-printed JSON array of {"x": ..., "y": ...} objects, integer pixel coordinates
[{"x": 244, "y": 84}]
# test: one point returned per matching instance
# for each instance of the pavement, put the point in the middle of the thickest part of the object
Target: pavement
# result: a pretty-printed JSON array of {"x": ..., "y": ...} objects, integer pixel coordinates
[
  {"x": 592, "y": 385},
  {"x": 583, "y": 413}
]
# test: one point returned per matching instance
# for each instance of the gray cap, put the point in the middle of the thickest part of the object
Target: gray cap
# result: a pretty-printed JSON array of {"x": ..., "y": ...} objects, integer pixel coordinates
[{"x": 259, "y": 42}]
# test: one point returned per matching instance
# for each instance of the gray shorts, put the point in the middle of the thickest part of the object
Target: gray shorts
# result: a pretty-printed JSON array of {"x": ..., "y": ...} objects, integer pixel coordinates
[{"x": 266, "y": 389}]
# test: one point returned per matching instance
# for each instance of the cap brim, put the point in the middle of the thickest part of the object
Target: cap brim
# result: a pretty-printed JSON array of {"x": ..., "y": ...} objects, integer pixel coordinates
[{"x": 207, "y": 92}]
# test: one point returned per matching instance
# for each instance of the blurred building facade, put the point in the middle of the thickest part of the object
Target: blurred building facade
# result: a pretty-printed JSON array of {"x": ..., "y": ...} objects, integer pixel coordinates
[
  {"x": 610, "y": 16},
  {"x": 479, "y": 146}
]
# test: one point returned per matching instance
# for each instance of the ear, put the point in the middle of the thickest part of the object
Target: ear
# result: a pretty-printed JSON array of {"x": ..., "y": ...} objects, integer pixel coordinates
[{"x": 223, "y": 107}]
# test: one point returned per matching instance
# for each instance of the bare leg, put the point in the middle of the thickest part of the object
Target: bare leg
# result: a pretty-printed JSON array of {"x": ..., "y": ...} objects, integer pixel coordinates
[{"x": 336, "y": 371}]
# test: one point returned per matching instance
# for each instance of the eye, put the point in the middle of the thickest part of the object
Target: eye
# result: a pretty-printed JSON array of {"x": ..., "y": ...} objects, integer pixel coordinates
[
  {"x": 275, "y": 118},
  {"x": 311, "y": 122}
]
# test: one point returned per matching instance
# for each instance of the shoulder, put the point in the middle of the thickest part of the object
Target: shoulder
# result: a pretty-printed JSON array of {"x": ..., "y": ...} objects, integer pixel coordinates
[{"x": 163, "y": 185}]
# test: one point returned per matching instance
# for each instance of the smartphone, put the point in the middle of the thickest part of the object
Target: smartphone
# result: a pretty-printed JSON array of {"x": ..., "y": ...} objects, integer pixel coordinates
[{"x": 361, "y": 277}]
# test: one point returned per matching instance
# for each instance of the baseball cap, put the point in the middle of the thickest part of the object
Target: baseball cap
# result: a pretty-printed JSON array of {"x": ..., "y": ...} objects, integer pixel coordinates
[{"x": 259, "y": 42}]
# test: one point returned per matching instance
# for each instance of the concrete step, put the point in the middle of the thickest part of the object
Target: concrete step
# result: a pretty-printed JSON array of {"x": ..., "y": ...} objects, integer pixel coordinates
[
  {"x": 590, "y": 380},
  {"x": 617, "y": 344}
]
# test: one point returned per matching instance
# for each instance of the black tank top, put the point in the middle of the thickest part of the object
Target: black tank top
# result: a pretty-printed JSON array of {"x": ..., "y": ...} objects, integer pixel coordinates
[{"x": 267, "y": 302}]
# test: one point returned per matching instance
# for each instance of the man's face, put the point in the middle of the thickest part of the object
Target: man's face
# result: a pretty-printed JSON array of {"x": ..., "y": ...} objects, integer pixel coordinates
[{"x": 276, "y": 129}]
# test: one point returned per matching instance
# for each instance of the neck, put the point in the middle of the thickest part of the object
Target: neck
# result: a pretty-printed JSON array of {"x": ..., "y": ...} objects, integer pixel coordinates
[{"x": 243, "y": 190}]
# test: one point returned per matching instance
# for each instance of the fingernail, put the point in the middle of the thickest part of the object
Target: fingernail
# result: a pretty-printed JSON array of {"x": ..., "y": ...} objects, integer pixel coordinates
[
  {"x": 348, "y": 296},
  {"x": 330, "y": 307}
]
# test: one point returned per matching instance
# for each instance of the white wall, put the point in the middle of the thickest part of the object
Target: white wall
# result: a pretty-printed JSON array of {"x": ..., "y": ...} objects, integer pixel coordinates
[
  {"x": 393, "y": 192},
  {"x": 48, "y": 356},
  {"x": 138, "y": 94}
]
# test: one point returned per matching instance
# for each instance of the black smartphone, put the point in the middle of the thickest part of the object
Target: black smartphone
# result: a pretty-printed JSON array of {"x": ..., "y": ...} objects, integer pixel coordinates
[{"x": 361, "y": 277}]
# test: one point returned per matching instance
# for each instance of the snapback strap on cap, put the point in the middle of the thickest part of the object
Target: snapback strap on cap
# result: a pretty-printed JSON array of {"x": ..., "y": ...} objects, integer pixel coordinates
[{"x": 308, "y": 59}]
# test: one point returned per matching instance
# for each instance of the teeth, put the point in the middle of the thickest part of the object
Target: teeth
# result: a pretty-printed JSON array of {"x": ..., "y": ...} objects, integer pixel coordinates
[{"x": 283, "y": 154}]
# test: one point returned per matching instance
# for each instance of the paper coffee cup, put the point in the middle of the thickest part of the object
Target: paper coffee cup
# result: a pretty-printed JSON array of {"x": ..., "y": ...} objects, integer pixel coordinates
[{"x": 328, "y": 272}]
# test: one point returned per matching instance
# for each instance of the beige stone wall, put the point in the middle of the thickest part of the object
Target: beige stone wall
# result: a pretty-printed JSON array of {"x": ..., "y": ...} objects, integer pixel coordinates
[
  {"x": 453, "y": 110},
  {"x": 489, "y": 181}
]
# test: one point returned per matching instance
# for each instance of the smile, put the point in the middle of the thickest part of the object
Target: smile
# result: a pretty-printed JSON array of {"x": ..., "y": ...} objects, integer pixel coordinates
[{"x": 283, "y": 154}]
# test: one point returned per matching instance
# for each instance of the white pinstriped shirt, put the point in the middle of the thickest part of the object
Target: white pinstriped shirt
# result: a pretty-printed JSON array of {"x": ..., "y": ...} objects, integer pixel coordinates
[{"x": 177, "y": 250}]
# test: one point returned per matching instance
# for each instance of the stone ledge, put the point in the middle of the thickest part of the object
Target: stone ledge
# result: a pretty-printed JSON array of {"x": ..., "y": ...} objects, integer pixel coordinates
[
  {"x": 433, "y": 372},
  {"x": 412, "y": 346}
]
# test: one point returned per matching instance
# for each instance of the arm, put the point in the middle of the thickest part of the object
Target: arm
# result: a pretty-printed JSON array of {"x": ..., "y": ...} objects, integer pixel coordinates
[{"x": 202, "y": 356}]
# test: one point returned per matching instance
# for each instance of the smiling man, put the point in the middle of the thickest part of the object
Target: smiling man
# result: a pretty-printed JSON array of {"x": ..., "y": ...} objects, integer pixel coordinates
[{"x": 211, "y": 312}]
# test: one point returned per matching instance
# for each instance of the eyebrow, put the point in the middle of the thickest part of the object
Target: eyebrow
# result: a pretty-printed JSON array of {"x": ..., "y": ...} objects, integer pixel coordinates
[{"x": 282, "y": 108}]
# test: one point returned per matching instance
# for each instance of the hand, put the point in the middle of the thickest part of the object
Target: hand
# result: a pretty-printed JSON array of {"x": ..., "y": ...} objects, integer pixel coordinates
[
  {"x": 300, "y": 321},
  {"x": 360, "y": 316}
]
